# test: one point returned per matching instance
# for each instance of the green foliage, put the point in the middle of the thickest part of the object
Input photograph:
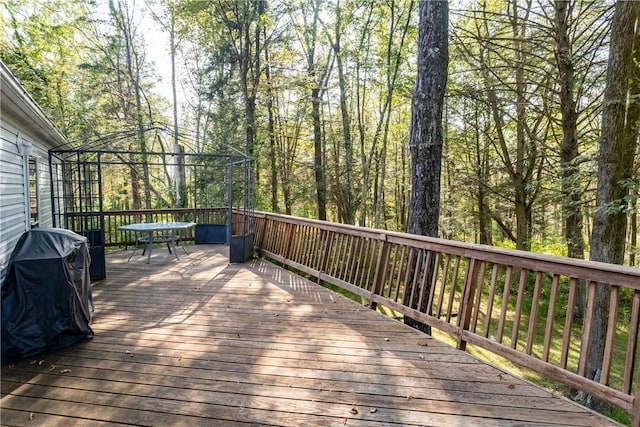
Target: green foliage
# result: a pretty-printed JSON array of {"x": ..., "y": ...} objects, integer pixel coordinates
[{"x": 72, "y": 56}]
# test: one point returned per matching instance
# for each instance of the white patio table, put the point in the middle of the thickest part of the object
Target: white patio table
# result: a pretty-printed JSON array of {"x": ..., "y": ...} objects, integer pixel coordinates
[{"x": 149, "y": 233}]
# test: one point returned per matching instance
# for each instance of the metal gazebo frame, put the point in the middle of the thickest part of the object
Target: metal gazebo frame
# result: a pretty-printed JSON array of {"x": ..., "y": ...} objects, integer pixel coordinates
[{"x": 216, "y": 191}]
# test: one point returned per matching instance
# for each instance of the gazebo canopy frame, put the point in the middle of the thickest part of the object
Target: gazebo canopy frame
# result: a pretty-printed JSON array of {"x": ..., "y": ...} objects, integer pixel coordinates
[{"x": 214, "y": 190}]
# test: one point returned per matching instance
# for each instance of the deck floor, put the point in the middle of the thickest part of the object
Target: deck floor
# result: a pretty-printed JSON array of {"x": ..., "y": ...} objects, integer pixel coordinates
[{"x": 200, "y": 341}]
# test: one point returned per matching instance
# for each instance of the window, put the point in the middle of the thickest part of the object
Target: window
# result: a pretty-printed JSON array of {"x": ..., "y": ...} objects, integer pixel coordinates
[{"x": 34, "y": 192}]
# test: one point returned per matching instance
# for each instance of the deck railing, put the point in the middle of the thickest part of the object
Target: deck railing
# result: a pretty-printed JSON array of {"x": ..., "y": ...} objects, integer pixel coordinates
[
  {"x": 518, "y": 305},
  {"x": 88, "y": 221},
  {"x": 113, "y": 219}
]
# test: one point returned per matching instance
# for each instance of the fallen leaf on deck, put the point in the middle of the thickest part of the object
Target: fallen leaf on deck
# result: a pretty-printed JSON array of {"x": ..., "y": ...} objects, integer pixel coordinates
[
  {"x": 65, "y": 371},
  {"x": 501, "y": 377},
  {"x": 41, "y": 362},
  {"x": 386, "y": 339},
  {"x": 512, "y": 385},
  {"x": 373, "y": 411},
  {"x": 354, "y": 410},
  {"x": 52, "y": 367},
  {"x": 32, "y": 416},
  {"x": 422, "y": 344},
  {"x": 421, "y": 356},
  {"x": 409, "y": 397}
]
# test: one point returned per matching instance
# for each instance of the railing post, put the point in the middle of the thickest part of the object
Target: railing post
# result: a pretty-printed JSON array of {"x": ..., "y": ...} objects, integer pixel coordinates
[
  {"x": 262, "y": 228},
  {"x": 381, "y": 270},
  {"x": 466, "y": 304}
]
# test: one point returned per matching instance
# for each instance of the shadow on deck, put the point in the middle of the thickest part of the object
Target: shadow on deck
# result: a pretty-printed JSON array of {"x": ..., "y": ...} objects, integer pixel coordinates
[{"x": 200, "y": 341}]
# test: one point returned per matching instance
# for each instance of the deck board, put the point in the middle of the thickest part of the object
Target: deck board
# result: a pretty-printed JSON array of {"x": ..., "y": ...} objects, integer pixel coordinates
[{"x": 202, "y": 342}]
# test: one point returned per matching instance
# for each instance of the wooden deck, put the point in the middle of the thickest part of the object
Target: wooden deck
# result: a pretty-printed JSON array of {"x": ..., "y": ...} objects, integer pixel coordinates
[{"x": 203, "y": 342}]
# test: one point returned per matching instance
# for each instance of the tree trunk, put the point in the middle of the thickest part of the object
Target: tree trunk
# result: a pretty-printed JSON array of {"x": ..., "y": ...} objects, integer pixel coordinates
[
  {"x": 426, "y": 139},
  {"x": 346, "y": 120},
  {"x": 569, "y": 149},
  {"x": 618, "y": 142},
  {"x": 272, "y": 137},
  {"x": 392, "y": 67},
  {"x": 316, "y": 99},
  {"x": 520, "y": 181},
  {"x": 321, "y": 182},
  {"x": 482, "y": 176}
]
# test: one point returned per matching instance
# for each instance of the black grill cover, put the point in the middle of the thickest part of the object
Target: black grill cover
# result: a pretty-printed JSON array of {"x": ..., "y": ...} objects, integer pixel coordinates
[{"x": 46, "y": 294}]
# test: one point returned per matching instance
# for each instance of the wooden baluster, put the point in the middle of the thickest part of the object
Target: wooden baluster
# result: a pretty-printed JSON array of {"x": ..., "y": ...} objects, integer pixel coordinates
[
  {"x": 327, "y": 237},
  {"x": 416, "y": 273},
  {"x": 381, "y": 270},
  {"x": 492, "y": 296},
  {"x": 468, "y": 293},
  {"x": 407, "y": 273},
  {"x": 434, "y": 283},
  {"x": 445, "y": 274},
  {"x": 568, "y": 323},
  {"x": 586, "y": 328},
  {"x": 520, "y": 299},
  {"x": 289, "y": 241},
  {"x": 548, "y": 330},
  {"x": 376, "y": 247},
  {"x": 611, "y": 334},
  {"x": 452, "y": 289},
  {"x": 424, "y": 283},
  {"x": 632, "y": 343},
  {"x": 392, "y": 270},
  {"x": 362, "y": 264},
  {"x": 533, "y": 315},
  {"x": 480, "y": 287}
]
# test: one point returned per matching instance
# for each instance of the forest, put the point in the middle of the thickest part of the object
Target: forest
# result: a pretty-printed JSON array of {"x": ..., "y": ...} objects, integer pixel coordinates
[{"x": 319, "y": 93}]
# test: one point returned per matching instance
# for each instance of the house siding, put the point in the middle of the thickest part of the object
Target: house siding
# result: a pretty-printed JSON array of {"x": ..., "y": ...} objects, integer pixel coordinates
[
  {"x": 13, "y": 220},
  {"x": 20, "y": 115}
]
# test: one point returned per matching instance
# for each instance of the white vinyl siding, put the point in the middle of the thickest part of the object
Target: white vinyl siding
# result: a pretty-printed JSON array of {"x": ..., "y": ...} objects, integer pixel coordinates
[
  {"x": 14, "y": 191},
  {"x": 25, "y": 130},
  {"x": 12, "y": 201}
]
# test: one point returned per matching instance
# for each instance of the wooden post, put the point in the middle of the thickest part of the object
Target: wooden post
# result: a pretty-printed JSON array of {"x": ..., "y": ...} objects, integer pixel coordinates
[
  {"x": 261, "y": 230},
  {"x": 381, "y": 269}
]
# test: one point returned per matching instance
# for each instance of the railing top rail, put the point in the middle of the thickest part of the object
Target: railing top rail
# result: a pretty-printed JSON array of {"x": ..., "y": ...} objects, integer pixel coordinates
[
  {"x": 145, "y": 211},
  {"x": 580, "y": 269}
]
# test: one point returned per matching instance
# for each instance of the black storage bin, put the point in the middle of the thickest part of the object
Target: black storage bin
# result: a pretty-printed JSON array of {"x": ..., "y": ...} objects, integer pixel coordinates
[
  {"x": 211, "y": 234},
  {"x": 97, "y": 268}
]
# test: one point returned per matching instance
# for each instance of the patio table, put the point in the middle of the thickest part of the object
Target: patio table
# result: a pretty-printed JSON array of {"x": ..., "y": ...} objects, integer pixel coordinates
[{"x": 149, "y": 233}]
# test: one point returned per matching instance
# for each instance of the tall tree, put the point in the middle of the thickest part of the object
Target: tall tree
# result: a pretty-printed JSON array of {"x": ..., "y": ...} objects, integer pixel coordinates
[
  {"x": 571, "y": 193},
  {"x": 620, "y": 120},
  {"x": 344, "y": 113},
  {"x": 317, "y": 77},
  {"x": 426, "y": 139},
  {"x": 129, "y": 73},
  {"x": 399, "y": 23},
  {"x": 243, "y": 21}
]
